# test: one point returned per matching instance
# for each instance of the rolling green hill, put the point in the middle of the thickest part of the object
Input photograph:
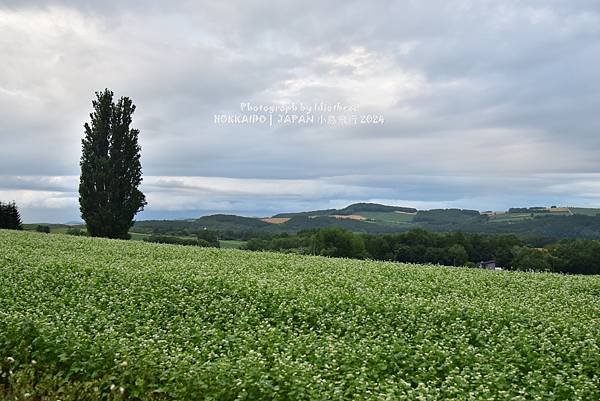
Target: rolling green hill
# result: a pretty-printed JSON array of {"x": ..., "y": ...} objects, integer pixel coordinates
[
  {"x": 382, "y": 219},
  {"x": 88, "y": 318},
  {"x": 373, "y": 218},
  {"x": 220, "y": 222},
  {"x": 356, "y": 208}
]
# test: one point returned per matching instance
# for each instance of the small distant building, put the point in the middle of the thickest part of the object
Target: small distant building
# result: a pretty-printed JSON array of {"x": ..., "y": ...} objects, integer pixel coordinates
[{"x": 487, "y": 264}]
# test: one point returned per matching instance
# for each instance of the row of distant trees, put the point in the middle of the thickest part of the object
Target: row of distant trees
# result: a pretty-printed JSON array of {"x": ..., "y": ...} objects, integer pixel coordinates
[
  {"x": 453, "y": 249},
  {"x": 204, "y": 238},
  {"x": 415, "y": 246}
]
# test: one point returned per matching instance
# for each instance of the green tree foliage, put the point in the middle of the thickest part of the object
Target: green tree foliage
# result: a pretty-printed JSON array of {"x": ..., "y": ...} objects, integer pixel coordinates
[
  {"x": 377, "y": 247},
  {"x": 577, "y": 256},
  {"x": 77, "y": 232},
  {"x": 337, "y": 242},
  {"x": 301, "y": 243},
  {"x": 165, "y": 239},
  {"x": 457, "y": 255},
  {"x": 210, "y": 236},
  {"x": 10, "y": 218},
  {"x": 43, "y": 229},
  {"x": 111, "y": 172},
  {"x": 530, "y": 259}
]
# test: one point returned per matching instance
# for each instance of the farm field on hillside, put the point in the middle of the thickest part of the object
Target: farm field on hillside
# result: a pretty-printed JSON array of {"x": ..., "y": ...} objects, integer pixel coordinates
[
  {"x": 585, "y": 211},
  {"x": 87, "y": 318},
  {"x": 390, "y": 217}
]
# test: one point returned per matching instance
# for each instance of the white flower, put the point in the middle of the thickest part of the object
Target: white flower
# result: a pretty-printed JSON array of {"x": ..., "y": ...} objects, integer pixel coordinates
[
  {"x": 112, "y": 387},
  {"x": 121, "y": 390},
  {"x": 10, "y": 359}
]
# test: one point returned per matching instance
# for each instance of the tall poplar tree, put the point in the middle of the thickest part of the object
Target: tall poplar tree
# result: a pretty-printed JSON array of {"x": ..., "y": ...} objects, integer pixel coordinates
[{"x": 111, "y": 171}]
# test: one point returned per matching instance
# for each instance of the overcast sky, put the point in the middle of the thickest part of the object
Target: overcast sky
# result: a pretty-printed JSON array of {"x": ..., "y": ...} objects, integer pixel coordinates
[{"x": 487, "y": 104}]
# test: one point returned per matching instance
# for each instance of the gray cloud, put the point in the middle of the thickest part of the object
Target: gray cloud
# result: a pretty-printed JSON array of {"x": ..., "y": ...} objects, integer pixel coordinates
[{"x": 487, "y": 104}]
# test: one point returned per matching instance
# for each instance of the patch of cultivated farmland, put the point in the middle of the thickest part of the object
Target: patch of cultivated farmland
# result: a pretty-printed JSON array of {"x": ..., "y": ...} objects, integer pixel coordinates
[{"x": 84, "y": 318}]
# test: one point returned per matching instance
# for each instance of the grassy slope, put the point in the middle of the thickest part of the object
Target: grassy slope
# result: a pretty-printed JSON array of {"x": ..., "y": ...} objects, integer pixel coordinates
[
  {"x": 391, "y": 218},
  {"x": 138, "y": 236},
  {"x": 585, "y": 211},
  {"x": 176, "y": 322},
  {"x": 231, "y": 244}
]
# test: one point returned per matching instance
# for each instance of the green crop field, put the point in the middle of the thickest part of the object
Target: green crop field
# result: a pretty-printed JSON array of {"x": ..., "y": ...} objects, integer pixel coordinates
[
  {"x": 138, "y": 236},
  {"x": 87, "y": 319},
  {"x": 231, "y": 244}
]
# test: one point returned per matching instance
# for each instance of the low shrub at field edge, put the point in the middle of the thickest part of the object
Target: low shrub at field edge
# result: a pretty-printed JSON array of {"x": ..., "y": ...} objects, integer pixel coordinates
[{"x": 86, "y": 318}]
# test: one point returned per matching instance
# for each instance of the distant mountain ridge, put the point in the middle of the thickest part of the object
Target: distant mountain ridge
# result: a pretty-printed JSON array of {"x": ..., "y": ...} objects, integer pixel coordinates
[
  {"x": 373, "y": 218},
  {"x": 352, "y": 209}
]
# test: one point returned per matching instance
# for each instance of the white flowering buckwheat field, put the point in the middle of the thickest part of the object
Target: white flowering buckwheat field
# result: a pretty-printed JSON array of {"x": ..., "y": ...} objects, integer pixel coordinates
[{"x": 88, "y": 319}]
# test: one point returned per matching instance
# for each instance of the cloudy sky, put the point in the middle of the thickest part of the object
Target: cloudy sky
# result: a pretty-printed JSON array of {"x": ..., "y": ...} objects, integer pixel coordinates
[{"x": 486, "y": 104}]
